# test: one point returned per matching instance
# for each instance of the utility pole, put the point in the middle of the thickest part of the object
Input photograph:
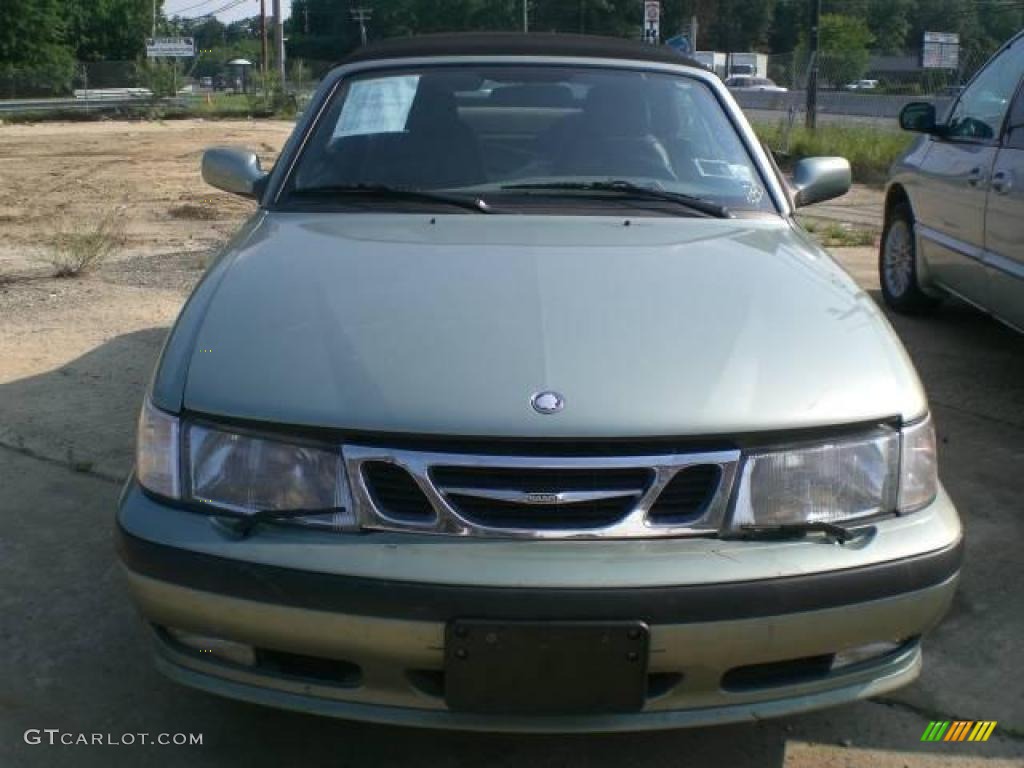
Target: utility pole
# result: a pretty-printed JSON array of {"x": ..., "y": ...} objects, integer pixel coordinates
[
  {"x": 526, "y": 16},
  {"x": 811, "y": 116},
  {"x": 279, "y": 40},
  {"x": 263, "y": 37},
  {"x": 362, "y": 15}
]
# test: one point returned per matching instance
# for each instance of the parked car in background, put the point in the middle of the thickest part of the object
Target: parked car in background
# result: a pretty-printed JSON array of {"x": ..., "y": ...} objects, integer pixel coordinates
[
  {"x": 861, "y": 85},
  {"x": 524, "y": 403},
  {"x": 744, "y": 83},
  {"x": 954, "y": 210}
]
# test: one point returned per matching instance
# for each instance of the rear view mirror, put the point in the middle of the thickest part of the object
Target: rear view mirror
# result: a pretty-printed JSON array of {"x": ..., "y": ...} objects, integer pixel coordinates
[
  {"x": 234, "y": 170},
  {"x": 918, "y": 116},
  {"x": 820, "y": 178}
]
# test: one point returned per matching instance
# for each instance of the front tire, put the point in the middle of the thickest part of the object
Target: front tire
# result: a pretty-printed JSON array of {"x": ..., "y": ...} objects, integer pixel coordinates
[{"x": 897, "y": 265}]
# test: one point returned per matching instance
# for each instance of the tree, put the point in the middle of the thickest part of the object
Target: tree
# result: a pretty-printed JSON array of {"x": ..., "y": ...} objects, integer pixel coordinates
[
  {"x": 844, "y": 43},
  {"x": 33, "y": 56},
  {"x": 108, "y": 30}
]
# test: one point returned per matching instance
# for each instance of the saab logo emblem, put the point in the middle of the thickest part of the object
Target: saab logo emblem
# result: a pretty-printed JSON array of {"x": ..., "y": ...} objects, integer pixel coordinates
[
  {"x": 547, "y": 402},
  {"x": 541, "y": 498},
  {"x": 958, "y": 730}
]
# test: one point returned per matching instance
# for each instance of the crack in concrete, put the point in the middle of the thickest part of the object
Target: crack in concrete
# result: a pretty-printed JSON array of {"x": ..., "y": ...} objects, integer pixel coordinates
[{"x": 69, "y": 466}]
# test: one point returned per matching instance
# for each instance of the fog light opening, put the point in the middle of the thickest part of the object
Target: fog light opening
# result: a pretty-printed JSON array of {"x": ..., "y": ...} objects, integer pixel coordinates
[
  {"x": 213, "y": 647},
  {"x": 865, "y": 653}
]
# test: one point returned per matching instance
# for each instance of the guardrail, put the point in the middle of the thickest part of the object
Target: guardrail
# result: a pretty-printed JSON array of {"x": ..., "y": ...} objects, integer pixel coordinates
[{"x": 880, "y": 105}]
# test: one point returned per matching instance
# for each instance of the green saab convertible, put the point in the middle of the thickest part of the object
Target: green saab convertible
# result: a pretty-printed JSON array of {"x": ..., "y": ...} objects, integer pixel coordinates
[{"x": 523, "y": 403}]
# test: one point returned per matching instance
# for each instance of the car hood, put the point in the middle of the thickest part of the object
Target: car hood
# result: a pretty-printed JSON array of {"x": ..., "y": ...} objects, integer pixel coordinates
[{"x": 407, "y": 323}]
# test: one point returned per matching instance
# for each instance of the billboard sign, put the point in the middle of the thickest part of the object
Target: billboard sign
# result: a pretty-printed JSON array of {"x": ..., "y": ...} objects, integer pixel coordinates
[
  {"x": 940, "y": 50},
  {"x": 173, "y": 47}
]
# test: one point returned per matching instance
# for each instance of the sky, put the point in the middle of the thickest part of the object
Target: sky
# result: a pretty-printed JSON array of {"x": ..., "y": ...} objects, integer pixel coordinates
[{"x": 243, "y": 10}]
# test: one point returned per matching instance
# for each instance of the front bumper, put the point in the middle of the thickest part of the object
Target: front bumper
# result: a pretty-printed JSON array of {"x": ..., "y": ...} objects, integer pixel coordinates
[{"x": 392, "y": 630}]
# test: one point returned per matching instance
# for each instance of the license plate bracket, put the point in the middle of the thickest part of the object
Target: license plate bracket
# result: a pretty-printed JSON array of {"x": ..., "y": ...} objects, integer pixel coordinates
[{"x": 546, "y": 668}]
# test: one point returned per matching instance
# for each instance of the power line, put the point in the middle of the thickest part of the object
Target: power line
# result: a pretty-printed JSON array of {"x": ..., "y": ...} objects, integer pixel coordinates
[{"x": 189, "y": 8}]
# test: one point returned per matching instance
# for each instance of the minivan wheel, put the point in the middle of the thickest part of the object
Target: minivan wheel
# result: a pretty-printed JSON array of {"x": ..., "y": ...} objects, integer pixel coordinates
[{"x": 897, "y": 265}]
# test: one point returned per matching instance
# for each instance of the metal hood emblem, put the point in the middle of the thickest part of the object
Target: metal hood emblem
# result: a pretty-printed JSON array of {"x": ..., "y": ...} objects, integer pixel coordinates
[{"x": 547, "y": 402}]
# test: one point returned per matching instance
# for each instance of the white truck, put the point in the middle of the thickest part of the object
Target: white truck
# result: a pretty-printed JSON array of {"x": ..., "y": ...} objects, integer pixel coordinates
[
  {"x": 713, "y": 60},
  {"x": 751, "y": 64}
]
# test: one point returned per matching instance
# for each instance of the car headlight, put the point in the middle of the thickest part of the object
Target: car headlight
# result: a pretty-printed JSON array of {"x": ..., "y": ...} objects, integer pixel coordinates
[
  {"x": 243, "y": 473},
  {"x": 839, "y": 480},
  {"x": 919, "y": 474},
  {"x": 157, "y": 452},
  {"x": 843, "y": 479}
]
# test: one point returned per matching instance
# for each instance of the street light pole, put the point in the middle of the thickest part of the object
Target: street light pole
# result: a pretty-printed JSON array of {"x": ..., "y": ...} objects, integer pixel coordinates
[
  {"x": 811, "y": 115},
  {"x": 526, "y": 16},
  {"x": 279, "y": 40},
  {"x": 263, "y": 37},
  {"x": 362, "y": 15}
]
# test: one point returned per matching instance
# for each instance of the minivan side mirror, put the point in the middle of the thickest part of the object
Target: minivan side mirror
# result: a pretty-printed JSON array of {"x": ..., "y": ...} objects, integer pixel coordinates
[
  {"x": 820, "y": 178},
  {"x": 234, "y": 170},
  {"x": 918, "y": 116}
]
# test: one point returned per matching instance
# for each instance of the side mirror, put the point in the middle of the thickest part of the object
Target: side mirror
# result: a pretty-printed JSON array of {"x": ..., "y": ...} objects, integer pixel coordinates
[
  {"x": 234, "y": 170},
  {"x": 820, "y": 178},
  {"x": 918, "y": 116}
]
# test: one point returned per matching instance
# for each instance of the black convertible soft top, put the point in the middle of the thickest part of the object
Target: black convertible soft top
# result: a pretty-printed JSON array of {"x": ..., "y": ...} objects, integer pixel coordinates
[{"x": 512, "y": 44}]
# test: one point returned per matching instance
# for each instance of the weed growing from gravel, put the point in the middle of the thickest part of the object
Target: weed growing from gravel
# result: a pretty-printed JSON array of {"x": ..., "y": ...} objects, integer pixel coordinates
[{"x": 72, "y": 253}]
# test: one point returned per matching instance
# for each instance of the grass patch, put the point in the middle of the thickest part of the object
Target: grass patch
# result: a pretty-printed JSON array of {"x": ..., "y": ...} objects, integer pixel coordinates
[
  {"x": 834, "y": 234},
  {"x": 870, "y": 150},
  {"x": 73, "y": 252}
]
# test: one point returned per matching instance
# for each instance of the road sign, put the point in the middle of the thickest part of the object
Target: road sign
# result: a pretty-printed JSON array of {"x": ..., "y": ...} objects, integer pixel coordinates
[
  {"x": 941, "y": 50},
  {"x": 652, "y": 21},
  {"x": 172, "y": 47},
  {"x": 681, "y": 44}
]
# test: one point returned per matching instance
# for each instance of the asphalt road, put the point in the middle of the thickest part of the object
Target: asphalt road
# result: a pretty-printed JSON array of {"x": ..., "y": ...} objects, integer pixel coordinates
[{"x": 76, "y": 659}]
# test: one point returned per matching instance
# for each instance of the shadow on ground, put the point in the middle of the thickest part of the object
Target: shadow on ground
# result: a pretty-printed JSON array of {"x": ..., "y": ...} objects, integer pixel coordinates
[{"x": 83, "y": 413}]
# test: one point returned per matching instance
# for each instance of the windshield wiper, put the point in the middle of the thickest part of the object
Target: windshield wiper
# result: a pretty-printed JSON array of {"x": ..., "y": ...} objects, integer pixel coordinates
[
  {"x": 475, "y": 204},
  {"x": 838, "y": 533},
  {"x": 625, "y": 188},
  {"x": 241, "y": 526}
]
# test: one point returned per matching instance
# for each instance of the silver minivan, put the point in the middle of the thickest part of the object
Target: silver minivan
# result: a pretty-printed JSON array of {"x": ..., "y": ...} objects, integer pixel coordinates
[{"x": 954, "y": 209}]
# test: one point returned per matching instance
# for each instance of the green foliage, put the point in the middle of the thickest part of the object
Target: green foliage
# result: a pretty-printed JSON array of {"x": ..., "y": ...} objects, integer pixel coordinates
[
  {"x": 108, "y": 30},
  {"x": 33, "y": 57},
  {"x": 871, "y": 151},
  {"x": 844, "y": 45},
  {"x": 159, "y": 75}
]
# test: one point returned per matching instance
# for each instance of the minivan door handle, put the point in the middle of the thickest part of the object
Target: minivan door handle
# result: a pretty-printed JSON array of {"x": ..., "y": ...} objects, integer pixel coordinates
[
  {"x": 975, "y": 176},
  {"x": 1002, "y": 182}
]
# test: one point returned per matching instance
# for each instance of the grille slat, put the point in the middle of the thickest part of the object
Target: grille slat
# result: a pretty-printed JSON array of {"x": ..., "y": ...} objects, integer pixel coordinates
[
  {"x": 396, "y": 493},
  {"x": 687, "y": 495},
  {"x": 458, "y": 483},
  {"x": 541, "y": 496},
  {"x": 503, "y": 514}
]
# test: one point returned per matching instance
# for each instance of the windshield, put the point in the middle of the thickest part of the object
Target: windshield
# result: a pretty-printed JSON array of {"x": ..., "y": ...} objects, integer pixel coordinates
[{"x": 498, "y": 131}]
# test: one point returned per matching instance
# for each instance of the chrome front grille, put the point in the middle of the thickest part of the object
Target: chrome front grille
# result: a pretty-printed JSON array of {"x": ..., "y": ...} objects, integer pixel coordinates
[{"x": 540, "y": 496}]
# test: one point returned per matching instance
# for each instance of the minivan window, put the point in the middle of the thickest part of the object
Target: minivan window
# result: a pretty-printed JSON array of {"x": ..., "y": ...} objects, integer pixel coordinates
[
  {"x": 485, "y": 129},
  {"x": 980, "y": 111}
]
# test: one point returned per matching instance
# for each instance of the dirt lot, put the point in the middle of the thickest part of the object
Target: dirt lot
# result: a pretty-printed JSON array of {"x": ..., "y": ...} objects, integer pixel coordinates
[{"x": 75, "y": 355}]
